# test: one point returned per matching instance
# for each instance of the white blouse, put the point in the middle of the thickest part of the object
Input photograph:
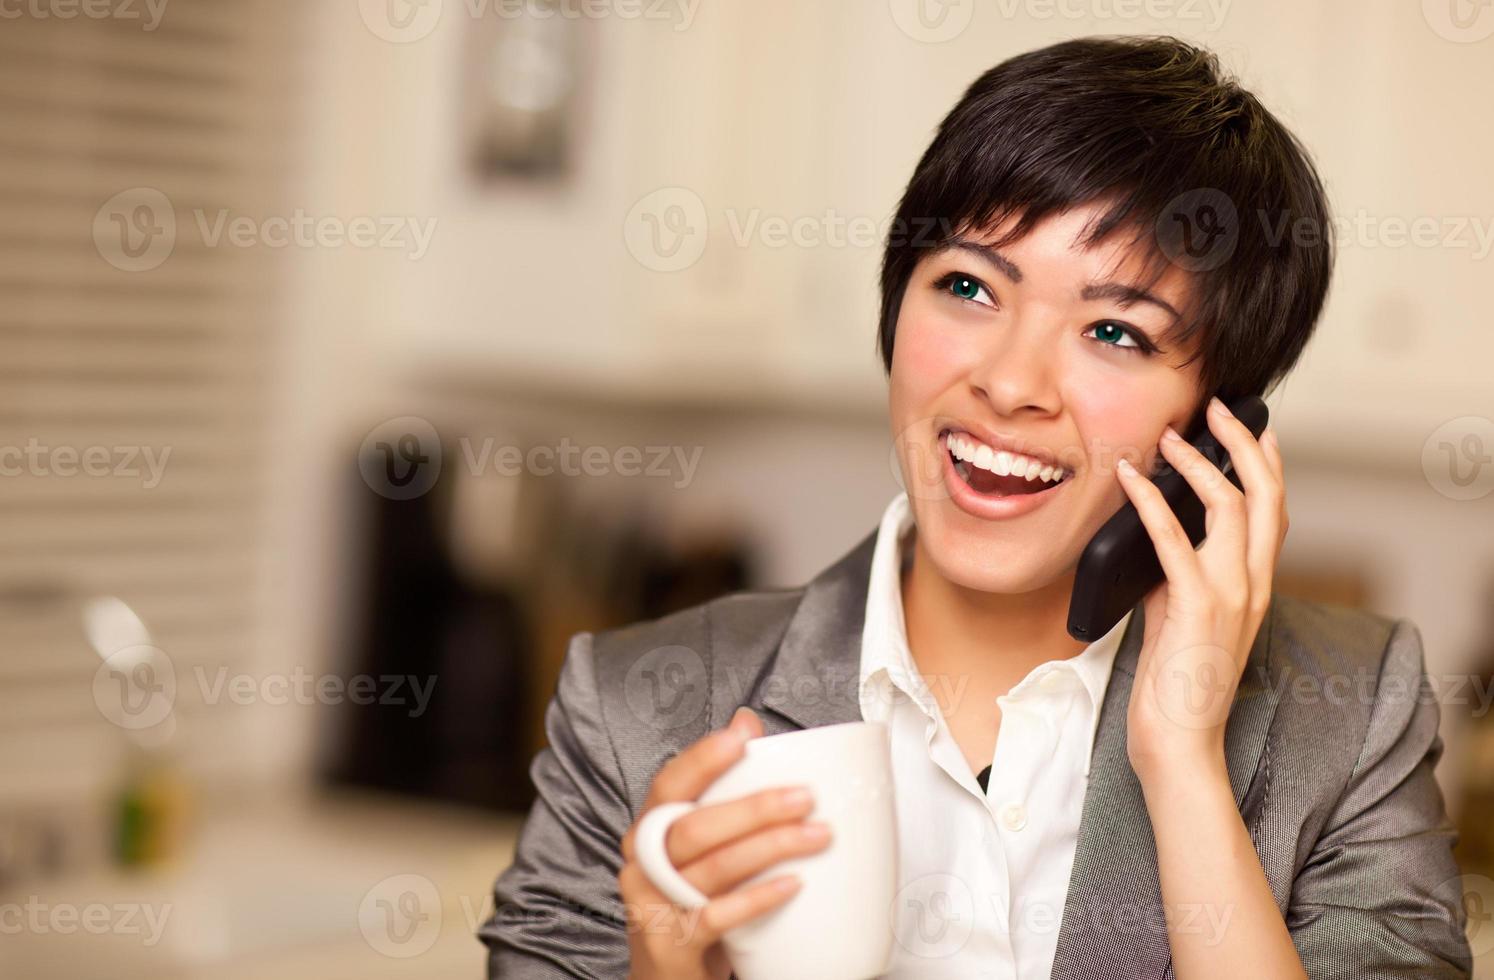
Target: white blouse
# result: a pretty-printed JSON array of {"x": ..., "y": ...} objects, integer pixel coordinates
[{"x": 983, "y": 875}]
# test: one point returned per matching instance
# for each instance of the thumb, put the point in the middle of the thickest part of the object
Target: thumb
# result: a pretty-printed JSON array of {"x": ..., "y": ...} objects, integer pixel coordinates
[{"x": 746, "y": 721}]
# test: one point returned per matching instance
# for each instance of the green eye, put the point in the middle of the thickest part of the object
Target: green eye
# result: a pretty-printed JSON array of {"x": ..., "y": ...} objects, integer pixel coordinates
[
  {"x": 965, "y": 287},
  {"x": 1115, "y": 334}
]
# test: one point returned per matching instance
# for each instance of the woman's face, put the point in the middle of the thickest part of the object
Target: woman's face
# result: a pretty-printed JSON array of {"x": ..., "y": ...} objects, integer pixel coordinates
[{"x": 1044, "y": 349}]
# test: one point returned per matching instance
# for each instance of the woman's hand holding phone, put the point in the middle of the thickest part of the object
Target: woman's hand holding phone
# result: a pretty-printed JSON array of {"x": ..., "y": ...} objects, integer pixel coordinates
[
  {"x": 716, "y": 848},
  {"x": 1202, "y": 619}
]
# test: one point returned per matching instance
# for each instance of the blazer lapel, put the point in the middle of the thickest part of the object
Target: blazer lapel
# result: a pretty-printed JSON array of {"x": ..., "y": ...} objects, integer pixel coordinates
[
  {"x": 1113, "y": 921},
  {"x": 814, "y": 678}
]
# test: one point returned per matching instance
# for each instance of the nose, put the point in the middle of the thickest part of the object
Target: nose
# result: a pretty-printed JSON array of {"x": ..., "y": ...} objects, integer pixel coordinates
[{"x": 1018, "y": 373}]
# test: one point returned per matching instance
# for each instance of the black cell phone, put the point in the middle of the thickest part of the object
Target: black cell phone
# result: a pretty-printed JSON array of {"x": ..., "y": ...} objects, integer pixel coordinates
[{"x": 1119, "y": 565}]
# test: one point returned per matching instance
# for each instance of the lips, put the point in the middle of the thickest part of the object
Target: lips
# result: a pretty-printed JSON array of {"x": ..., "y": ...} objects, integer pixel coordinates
[
  {"x": 998, "y": 472},
  {"x": 982, "y": 493}
]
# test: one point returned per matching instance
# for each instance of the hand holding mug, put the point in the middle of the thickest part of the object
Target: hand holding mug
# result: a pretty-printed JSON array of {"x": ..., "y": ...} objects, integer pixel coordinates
[{"x": 715, "y": 848}]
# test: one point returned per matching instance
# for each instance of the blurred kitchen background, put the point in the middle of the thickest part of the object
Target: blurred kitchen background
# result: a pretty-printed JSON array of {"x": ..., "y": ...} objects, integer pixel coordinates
[{"x": 359, "y": 352}]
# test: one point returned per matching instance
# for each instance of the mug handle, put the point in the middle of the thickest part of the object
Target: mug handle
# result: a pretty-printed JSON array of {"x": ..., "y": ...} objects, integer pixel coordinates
[{"x": 653, "y": 856}]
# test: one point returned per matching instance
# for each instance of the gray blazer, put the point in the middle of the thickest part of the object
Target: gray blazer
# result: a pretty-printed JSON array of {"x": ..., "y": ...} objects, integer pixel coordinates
[{"x": 1330, "y": 745}]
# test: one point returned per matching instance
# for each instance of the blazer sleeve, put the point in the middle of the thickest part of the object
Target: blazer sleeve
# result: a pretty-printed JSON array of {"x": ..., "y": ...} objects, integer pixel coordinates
[
  {"x": 557, "y": 908},
  {"x": 1380, "y": 893}
]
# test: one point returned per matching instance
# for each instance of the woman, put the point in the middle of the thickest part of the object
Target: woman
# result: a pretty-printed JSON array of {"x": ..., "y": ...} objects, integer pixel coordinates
[{"x": 1103, "y": 236}]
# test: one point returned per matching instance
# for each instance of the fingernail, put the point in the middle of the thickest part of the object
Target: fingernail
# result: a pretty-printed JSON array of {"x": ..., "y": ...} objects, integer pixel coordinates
[
  {"x": 816, "y": 831},
  {"x": 1171, "y": 434},
  {"x": 798, "y": 796},
  {"x": 1125, "y": 466},
  {"x": 1217, "y": 406}
]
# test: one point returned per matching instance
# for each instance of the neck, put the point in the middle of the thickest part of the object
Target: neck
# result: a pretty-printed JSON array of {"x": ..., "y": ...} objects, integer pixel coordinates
[{"x": 951, "y": 627}]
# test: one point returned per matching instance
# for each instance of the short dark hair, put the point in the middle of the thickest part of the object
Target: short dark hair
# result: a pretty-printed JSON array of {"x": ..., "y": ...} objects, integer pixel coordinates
[{"x": 1151, "y": 124}]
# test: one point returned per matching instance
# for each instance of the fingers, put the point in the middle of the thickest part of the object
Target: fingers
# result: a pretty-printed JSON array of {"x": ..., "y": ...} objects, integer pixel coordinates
[
  {"x": 687, "y": 775},
  {"x": 1225, "y": 507},
  {"x": 726, "y": 867},
  {"x": 1272, "y": 450},
  {"x": 670, "y": 940},
  {"x": 1278, "y": 467},
  {"x": 744, "y": 719},
  {"x": 1265, "y": 501},
  {"x": 745, "y": 904},
  {"x": 710, "y": 827},
  {"x": 716, "y": 848},
  {"x": 1174, "y": 550}
]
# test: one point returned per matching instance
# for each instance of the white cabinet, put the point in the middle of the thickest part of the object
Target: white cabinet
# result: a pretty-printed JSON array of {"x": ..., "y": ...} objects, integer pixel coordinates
[{"x": 721, "y": 233}]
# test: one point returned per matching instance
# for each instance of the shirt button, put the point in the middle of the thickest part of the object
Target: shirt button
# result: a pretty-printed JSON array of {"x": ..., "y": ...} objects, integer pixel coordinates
[{"x": 1014, "y": 816}]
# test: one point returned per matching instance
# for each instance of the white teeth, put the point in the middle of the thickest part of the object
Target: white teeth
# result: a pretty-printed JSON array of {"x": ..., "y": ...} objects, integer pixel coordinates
[{"x": 1001, "y": 462}]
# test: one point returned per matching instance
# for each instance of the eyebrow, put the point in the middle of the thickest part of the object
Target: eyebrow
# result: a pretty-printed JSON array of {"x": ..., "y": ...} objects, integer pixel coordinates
[{"x": 1123, "y": 293}]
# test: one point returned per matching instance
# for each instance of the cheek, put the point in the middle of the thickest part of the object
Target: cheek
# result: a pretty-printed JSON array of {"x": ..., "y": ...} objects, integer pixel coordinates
[
  {"x": 928, "y": 356},
  {"x": 915, "y": 368},
  {"x": 1121, "y": 417}
]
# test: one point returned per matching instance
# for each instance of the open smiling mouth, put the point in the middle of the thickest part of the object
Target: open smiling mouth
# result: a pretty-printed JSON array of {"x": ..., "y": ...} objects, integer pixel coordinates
[{"x": 999, "y": 473}]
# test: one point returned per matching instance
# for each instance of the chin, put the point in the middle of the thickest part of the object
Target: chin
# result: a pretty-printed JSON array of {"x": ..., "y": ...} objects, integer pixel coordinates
[{"x": 977, "y": 557}]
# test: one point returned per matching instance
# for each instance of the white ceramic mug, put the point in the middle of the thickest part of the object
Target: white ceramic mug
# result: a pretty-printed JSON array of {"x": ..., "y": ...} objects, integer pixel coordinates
[{"x": 839, "y": 925}]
